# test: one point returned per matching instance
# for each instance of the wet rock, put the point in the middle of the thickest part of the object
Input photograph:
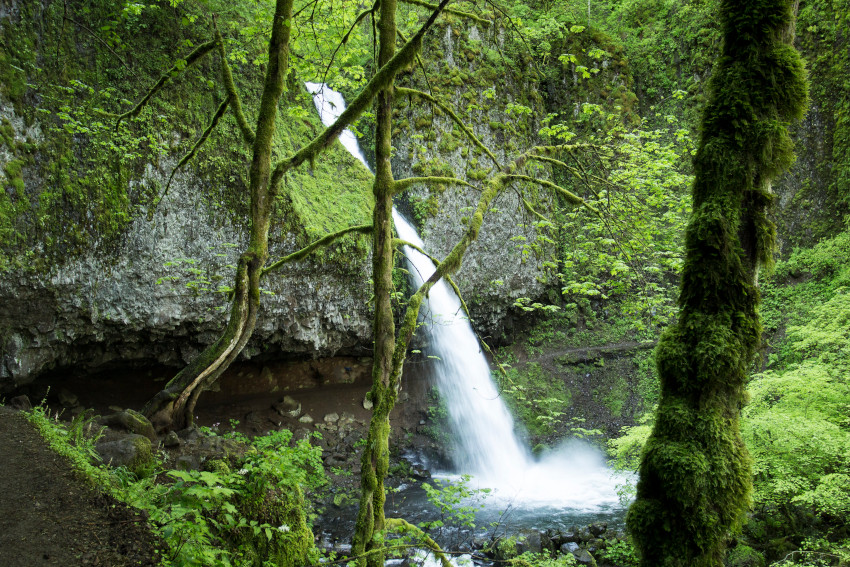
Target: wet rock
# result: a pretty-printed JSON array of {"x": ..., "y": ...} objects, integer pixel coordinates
[
  {"x": 189, "y": 434},
  {"x": 583, "y": 557},
  {"x": 367, "y": 403},
  {"x": 133, "y": 451},
  {"x": 598, "y": 529},
  {"x": 569, "y": 547},
  {"x": 331, "y": 418},
  {"x": 132, "y": 421},
  {"x": 306, "y": 418},
  {"x": 187, "y": 463},
  {"x": 20, "y": 403},
  {"x": 288, "y": 406},
  {"x": 530, "y": 542},
  {"x": 68, "y": 399},
  {"x": 570, "y": 537},
  {"x": 171, "y": 440}
]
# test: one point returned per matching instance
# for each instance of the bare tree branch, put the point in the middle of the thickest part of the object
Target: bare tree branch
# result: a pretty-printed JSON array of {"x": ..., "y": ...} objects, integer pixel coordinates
[
  {"x": 222, "y": 108},
  {"x": 454, "y": 11},
  {"x": 247, "y": 132}
]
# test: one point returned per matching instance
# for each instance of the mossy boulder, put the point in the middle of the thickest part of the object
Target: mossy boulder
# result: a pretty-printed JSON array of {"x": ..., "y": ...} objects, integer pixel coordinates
[
  {"x": 133, "y": 452},
  {"x": 286, "y": 540}
]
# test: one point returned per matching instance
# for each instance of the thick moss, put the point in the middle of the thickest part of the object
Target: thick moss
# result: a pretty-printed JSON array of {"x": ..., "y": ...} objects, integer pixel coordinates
[
  {"x": 695, "y": 474},
  {"x": 83, "y": 181},
  {"x": 282, "y": 508}
]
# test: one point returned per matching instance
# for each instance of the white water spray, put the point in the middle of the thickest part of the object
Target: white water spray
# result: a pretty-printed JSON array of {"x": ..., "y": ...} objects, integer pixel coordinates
[{"x": 573, "y": 477}]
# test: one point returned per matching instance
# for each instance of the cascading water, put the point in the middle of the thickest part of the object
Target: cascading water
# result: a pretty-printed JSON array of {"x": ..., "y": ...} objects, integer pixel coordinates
[{"x": 573, "y": 477}]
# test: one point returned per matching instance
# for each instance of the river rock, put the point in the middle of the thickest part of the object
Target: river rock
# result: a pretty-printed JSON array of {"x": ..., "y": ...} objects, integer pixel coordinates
[
  {"x": 171, "y": 440},
  {"x": 598, "y": 529},
  {"x": 569, "y": 547},
  {"x": 331, "y": 418},
  {"x": 583, "y": 557},
  {"x": 68, "y": 399},
  {"x": 530, "y": 542},
  {"x": 288, "y": 406},
  {"x": 306, "y": 418}
]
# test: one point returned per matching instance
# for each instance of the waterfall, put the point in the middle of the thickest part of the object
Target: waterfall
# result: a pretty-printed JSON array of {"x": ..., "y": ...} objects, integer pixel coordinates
[{"x": 487, "y": 447}]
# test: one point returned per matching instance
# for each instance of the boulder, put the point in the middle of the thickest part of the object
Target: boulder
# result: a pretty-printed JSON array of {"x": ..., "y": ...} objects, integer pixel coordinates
[
  {"x": 569, "y": 547},
  {"x": 132, "y": 421},
  {"x": 288, "y": 407},
  {"x": 171, "y": 440},
  {"x": 68, "y": 399},
  {"x": 20, "y": 403},
  {"x": 583, "y": 557},
  {"x": 133, "y": 451}
]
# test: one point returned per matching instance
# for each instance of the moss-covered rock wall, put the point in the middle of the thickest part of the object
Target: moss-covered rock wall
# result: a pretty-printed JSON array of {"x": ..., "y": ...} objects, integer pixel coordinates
[{"x": 99, "y": 263}]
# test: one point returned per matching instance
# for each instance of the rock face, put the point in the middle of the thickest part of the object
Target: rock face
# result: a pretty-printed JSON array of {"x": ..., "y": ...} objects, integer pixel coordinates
[
  {"x": 494, "y": 272},
  {"x": 140, "y": 300}
]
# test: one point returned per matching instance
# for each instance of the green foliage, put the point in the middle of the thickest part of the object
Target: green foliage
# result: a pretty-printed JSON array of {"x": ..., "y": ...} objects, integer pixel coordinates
[
  {"x": 76, "y": 442},
  {"x": 537, "y": 398},
  {"x": 633, "y": 254},
  {"x": 796, "y": 423},
  {"x": 245, "y": 515},
  {"x": 531, "y": 559},
  {"x": 621, "y": 553},
  {"x": 456, "y": 503}
]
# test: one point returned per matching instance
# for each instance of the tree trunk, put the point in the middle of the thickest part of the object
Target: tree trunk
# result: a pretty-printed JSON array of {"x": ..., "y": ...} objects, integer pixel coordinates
[
  {"x": 173, "y": 406},
  {"x": 375, "y": 460},
  {"x": 695, "y": 473}
]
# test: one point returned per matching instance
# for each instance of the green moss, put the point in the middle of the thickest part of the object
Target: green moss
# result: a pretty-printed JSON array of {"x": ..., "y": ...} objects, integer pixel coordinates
[
  {"x": 92, "y": 178},
  {"x": 695, "y": 474},
  {"x": 282, "y": 508}
]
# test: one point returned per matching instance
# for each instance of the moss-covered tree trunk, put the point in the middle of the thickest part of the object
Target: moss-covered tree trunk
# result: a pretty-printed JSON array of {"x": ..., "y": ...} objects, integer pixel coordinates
[
  {"x": 370, "y": 519},
  {"x": 173, "y": 406},
  {"x": 695, "y": 474}
]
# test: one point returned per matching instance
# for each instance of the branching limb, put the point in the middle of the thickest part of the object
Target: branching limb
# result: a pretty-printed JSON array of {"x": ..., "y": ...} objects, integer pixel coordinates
[
  {"x": 533, "y": 212},
  {"x": 381, "y": 80},
  {"x": 227, "y": 75},
  {"x": 320, "y": 243},
  {"x": 418, "y": 60},
  {"x": 568, "y": 195},
  {"x": 196, "y": 55},
  {"x": 222, "y": 108},
  {"x": 403, "y": 526},
  {"x": 357, "y": 20},
  {"x": 454, "y": 11},
  {"x": 402, "y": 185},
  {"x": 400, "y": 242},
  {"x": 445, "y": 108}
]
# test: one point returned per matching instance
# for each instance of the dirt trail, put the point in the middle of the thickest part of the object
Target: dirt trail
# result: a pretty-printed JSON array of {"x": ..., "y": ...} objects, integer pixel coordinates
[{"x": 49, "y": 516}]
